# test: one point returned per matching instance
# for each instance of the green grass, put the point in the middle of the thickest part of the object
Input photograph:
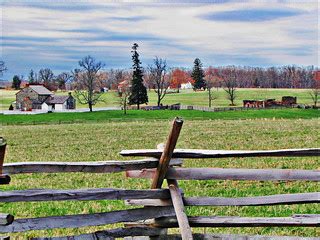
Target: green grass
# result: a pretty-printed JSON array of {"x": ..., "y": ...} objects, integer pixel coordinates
[
  {"x": 118, "y": 115},
  {"x": 188, "y": 97},
  {"x": 103, "y": 141}
]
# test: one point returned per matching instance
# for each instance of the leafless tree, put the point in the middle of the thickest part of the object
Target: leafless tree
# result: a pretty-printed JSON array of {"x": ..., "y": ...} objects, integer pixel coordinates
[
  {"x": 124, "y": 90},
  {"x": 63, "y": 78},
  {"x": 158, "y": 76},
  {"x": 46, "y": 77},
  {"x": 229, "y": 77},
  {"x": 210, "y": 83},
  {"x": 315, "y": 92},
  {"x": 87, "y": 91},
  {"x": 3, "y": 67}
]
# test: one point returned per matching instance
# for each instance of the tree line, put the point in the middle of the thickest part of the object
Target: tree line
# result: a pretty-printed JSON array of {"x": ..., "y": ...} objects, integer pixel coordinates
[{"x": 90, "y": 79}]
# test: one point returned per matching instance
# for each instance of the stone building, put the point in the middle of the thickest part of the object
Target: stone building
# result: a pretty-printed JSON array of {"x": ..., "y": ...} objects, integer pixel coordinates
[{"x": 38, "y": 97}]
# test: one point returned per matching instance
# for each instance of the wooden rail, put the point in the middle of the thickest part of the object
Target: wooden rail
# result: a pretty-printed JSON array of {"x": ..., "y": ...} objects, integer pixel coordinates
[
  {"x": 162, "y": 208},
  {"x": 197, "y": 153},
  {"x": 138, "y": 231},
  {"x": 278, "y": 199},
  {"x": 81, "y": 194},
  {"x": 230, "y": 174},
  {"x": 89, "y": 167},
  {"x": 224, "y": 221},
  {"x": 83, "y": 220}
]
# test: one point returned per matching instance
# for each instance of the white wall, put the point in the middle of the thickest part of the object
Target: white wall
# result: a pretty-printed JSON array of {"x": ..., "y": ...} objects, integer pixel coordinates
[
  {"x": 44, "y": 107},
  {"x": 59, "y": 107}
]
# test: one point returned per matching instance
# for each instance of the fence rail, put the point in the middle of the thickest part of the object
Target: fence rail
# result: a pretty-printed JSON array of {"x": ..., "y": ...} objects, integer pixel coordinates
[
  {"x": 199, "y": 153},
  {"x": 89, "y": 167},
  {"x": 162, "y": 208},
  {"x": 278, "y": 199},
  {"x": 230, "y": 174}
]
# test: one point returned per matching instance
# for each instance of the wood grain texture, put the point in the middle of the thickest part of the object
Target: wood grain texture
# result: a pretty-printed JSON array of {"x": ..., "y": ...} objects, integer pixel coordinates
[
  {"x": 230, "y": 174},
  {"x": 278, "y": 199},
  {"x": 82, "y": 220},
  {"x": 182, "y": 217},
  {"x": 3, "y": 145},
  {"x": 232, "y": 237},
  {"x": 81, "y": 194},
  {"x": 225, "y": 221},
  {"x": 197, "y": 236},
  {"x": 114, "y": 233},
  {"x": 199, "y": 153},
  {"x": 89, "y": 167},
  {"x": 166, "y": 154},
  {"x": 6, "y": 219}
]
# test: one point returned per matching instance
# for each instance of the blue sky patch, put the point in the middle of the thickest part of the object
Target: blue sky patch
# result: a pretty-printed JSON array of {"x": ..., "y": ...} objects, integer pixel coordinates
[{"x": 251, "y": 15}]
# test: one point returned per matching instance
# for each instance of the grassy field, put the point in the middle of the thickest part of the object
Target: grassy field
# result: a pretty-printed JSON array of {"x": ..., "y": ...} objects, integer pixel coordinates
[
  {"x": 134, "y": 115},
  {"x": 103, "y": 140},
  {"x": 189, "y": 97}
]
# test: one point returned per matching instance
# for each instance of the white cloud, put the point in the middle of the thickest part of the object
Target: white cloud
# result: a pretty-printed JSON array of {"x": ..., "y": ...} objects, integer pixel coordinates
[{"x": 182, "y": 33}]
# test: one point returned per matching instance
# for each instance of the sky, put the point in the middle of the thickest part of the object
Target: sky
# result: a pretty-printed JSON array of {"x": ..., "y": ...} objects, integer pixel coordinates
[{"x": 57, "y": 34}]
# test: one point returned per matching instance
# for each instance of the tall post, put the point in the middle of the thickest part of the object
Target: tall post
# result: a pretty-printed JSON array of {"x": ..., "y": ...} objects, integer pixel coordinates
[
  {"x": 3, "y": 145},
  {"x": 4, "y": 179},
  {"x": 167, "y": 153}
]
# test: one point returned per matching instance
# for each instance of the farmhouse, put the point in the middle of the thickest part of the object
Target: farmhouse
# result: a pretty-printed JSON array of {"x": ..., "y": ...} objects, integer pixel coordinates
[{"x": 38, "y": 97}]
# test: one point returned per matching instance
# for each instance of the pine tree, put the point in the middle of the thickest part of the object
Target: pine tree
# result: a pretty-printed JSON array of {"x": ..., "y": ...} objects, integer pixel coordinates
[
  {"x": 138, "y": 93},
  {"x": 16, "y": 82},
  {"x": 32, "y": 77},
  {"x": 198, "y": 75}
]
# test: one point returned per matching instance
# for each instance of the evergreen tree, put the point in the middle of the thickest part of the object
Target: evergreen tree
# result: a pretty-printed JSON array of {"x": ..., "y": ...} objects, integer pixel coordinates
[
  {"x": 138, "y": 93},
  {"x": 16, "y": 82},
  {"x": 32, "y": 77},
  {"x": 198, "y": 75}
]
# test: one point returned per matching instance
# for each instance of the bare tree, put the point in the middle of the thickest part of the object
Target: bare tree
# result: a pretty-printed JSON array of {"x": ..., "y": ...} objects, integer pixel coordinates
[
  {"x": 46, "y": 77},
  {"x": 3, "y": 67},
  {"x": 63, "y": 78},
  {"x": 315, "y": 91},
  {"x": 230, "y": 83},
  {"x": 210, "y": 83},
  {"x": 124, "y": 91},
  {"x": 87, "y": 91},
  {"x": 158, "y": 76}
]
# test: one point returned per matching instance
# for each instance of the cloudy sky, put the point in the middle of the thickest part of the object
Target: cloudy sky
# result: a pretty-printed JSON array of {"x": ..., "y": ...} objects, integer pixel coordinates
[{"x": 57, "y": 34}]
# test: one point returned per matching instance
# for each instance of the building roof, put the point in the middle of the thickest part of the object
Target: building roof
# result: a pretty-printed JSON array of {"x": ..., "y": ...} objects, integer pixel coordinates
[
  {"x": 41, "y": 90},
  {"x": 54, "y": 99}
]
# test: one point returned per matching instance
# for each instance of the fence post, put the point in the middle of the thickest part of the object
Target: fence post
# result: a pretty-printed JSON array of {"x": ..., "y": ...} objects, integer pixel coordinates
[
  {"x": 4, "y": 179},
  {"x": 167, "y": 154}
]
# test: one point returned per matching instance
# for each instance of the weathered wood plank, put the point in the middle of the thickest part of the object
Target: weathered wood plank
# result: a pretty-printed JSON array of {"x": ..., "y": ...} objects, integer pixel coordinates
[
  {"x": 3, "y": 145},
  {"x": 115, "y": 233},
  {"x": 90, "y": 167},
  {"x": 166, "y": 154},
  {"x": 182, "y": 218},
  {"x": 6, "y": 219},
  {"x": 5, "y": 179},
  {"x": 279, "y": 199},
  {"x": 224, "y": 221},
  {"x": 199, "y": 153},
  {"x": 230, "y": 174},
  {"x": 82, "y": 220},
  {"x": 199, "y": 236},
  {"x": 81, "y": 194}
]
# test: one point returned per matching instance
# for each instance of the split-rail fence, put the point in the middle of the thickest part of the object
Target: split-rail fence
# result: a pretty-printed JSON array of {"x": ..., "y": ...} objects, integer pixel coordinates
[{"x": 161, "y": 208}]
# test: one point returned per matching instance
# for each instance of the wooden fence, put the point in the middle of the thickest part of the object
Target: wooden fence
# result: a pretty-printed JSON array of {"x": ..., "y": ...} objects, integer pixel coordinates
[
  {"x": 225, "y": 109},
  {"x": 161, "y": 208}
]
